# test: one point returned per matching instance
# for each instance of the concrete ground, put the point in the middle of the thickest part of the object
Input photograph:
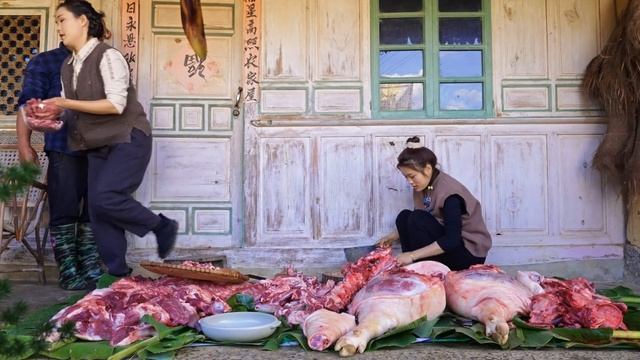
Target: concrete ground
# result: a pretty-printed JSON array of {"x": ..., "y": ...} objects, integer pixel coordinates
[{"x": 417, "y": 351}]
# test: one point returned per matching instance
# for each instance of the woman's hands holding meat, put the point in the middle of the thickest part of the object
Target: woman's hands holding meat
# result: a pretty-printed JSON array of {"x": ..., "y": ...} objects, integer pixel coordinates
[{"x": 405, "y": 258}]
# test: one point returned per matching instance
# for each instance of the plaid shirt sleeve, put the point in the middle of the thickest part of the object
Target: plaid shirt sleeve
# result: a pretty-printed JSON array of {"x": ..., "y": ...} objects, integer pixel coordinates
[
  {"x": 36, "y": 81},
  {"x": 42, "y": 81}
]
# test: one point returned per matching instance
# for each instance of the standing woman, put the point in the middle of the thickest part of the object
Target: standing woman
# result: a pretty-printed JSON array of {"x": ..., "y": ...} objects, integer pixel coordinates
[
  {"x": 70, "y": 234},
  {"x": 105, "y": 119},
  {"x": 446, "y": 224}
]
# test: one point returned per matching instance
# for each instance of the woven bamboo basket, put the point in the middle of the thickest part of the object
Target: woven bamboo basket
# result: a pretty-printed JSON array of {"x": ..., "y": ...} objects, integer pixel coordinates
[{"x": 222, "y": 276}]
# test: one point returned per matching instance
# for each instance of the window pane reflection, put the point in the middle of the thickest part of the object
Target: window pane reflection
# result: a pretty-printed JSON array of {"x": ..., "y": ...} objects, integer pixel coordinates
[
  {"x": 401, "y": 31},
  {"x": 460, "y": 31},
  {"x": 459, "y": 5},
  {"x": 460, "y": 63},
  {"x": 463, "y": 96},
  {"x": 398, "y": 97},
  {"x": 392, "y": 6},
  {"x": 401, "y": 64}
]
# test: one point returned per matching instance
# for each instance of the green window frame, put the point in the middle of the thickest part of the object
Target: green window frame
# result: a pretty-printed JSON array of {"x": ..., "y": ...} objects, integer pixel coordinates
[{"x": 431, "y": 77}]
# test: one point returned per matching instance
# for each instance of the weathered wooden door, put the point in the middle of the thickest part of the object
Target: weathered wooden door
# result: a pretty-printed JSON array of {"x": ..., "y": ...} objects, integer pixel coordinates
[{"x": 195, "y": 174}]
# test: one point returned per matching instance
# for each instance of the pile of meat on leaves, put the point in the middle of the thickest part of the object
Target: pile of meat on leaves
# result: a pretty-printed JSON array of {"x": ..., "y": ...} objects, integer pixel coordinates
[{"x": 375, "y": 296}]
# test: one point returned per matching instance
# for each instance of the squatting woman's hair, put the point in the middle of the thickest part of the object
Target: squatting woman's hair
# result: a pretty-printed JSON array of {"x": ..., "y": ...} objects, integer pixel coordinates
[
  {"x": 97, "y": 27},
  {"x": 416, "y": 156}
]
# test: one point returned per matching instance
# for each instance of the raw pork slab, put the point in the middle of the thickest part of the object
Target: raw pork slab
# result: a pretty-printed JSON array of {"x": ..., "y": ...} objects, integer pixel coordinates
[
  {"x": 489, "y": 295},
  {"x": 394, "y": 298}
]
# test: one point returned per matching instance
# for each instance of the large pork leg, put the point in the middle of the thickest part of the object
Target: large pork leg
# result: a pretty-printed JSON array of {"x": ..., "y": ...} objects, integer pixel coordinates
[
  {"x": 324, "y": 327},
  {"x": 392, "y": 299},
  {"x": 487, "y": 294}
]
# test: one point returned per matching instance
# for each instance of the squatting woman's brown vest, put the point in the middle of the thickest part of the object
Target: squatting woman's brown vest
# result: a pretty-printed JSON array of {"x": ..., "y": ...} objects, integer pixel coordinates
[{"x": 475, "y": 235}]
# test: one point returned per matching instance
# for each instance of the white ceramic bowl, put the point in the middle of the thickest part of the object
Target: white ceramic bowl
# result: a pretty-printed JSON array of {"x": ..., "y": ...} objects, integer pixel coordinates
[{"x": 239, "y": 326}]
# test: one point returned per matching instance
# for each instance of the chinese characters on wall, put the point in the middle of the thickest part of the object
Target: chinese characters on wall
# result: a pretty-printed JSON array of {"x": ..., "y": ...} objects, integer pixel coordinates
[
  {"x": 251, "y": 47},
  {"x": 194, "y": 65},
  {"x": 130, "y": 11}
]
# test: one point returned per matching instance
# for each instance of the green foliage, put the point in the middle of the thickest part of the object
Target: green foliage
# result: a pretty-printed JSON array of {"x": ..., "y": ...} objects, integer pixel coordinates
[
  {"x": 166, "y": 341},
  {"x": 404, "y": 335},
  {"x": 38, "y": 321},
  {"x": 624, "y": 295},
  {"x": 23, "y": 336},
  {"x": 632, "y": 319},
  {"x": 13, "y": 313},
  {"x": 285, "y": 333},
  {"x": 13, "y": 180},
  {"x": 106, "y": 280},
  {"x": 5, "y": 288},
  {"x": 82, "y": 350},
  {"x": 241, "y": 302},
  {"x": 584, "y": 336},
  {"x": 67, "y": 330},
  {"x": 16, "y": 178}
]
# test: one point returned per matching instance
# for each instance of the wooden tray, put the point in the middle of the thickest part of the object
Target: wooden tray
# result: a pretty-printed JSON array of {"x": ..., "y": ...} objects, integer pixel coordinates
[{"x": 224, "y": 276}]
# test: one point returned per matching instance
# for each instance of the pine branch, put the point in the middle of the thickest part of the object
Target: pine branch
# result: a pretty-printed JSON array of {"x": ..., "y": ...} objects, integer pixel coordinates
[
  {"x": 5, "y": 288},
  {"x": 44, "y": 330},
  {"x": 16, "y": 178},
  {"x": 11, "y": 346},
  {"x": 67, "y": 330},
  {"x": 12, "y": 314},
  {"x": 39, "y": 345}
]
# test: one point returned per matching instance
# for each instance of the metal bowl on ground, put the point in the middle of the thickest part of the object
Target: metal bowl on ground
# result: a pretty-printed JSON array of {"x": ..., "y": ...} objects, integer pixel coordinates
[
  {"x": 354, "y": 253},
  {"x": 239, "y": 326}
]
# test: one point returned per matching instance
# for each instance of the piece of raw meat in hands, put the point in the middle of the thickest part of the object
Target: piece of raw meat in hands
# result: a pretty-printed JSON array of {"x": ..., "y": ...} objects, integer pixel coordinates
[
  {"x": 394, "y": 298},
  {"x": 42, "y": 116},
  {"x": 324, "y": 327},
  {"x": 489, "y": 295}
]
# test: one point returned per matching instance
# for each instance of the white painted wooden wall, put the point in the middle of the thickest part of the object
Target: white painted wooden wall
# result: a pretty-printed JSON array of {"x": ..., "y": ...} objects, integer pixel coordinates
[
  {"x": 338, "y": 186},
  {"x": 329, "y": 181},
  {"x": 310, "y": 172}
]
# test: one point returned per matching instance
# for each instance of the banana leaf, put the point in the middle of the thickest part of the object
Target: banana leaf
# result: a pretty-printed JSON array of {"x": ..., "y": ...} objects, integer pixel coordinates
[
  {"x": 624, "y": 295},
  {"x": 400, "y": 340},
  {"x": 584, "y": 336},
  {"x": 399, "y": 337},
  {"x": 34, "y": 320},
  {"x": 82, "y": 350},
  {"x": 283, "y": 335},
  {"x": 241, "y": 302},
  {"x": 175, "y": 341},
  {"x": 167, "y": 347},
  {"x": 632, "y": 319},
  {"x": 106, "y": 280}
]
